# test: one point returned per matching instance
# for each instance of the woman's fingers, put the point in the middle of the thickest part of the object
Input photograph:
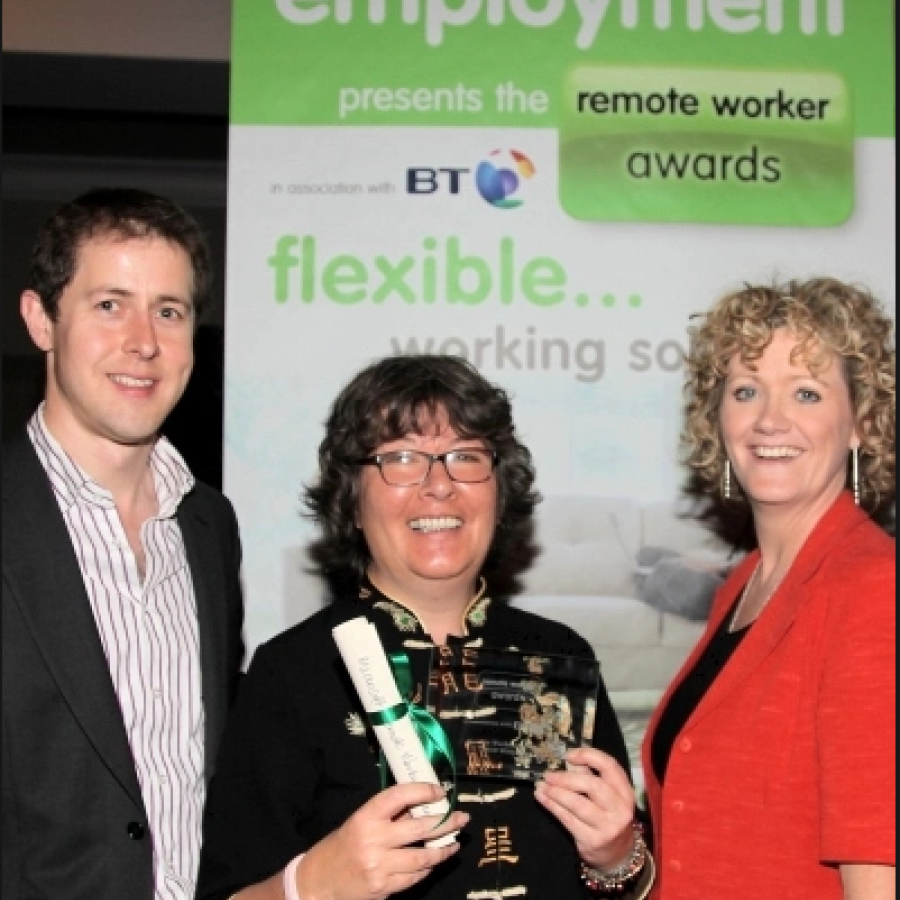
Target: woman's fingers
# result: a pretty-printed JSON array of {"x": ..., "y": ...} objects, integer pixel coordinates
[
  {"x": 594, "y": 801},
  {"x": 427, "y": 829},
  {"x": 598, "y": 777},
  {"x": 377, "y": 851},
  {"x": 396, "y": 804},
  {"x": 400, "y": 798},
  {"x": 586, "y": 760}
]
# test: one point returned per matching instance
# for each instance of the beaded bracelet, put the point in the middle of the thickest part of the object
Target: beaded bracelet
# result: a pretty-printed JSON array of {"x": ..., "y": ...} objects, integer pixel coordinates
[{"x": 617, "y": 880}]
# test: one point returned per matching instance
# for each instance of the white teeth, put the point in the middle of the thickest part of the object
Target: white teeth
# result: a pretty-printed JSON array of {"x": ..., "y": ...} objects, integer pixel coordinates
[
  {"x": 442, "y": 523},
  {"x": 776, "y": 452},
  {"x": 128, "y": 381}
]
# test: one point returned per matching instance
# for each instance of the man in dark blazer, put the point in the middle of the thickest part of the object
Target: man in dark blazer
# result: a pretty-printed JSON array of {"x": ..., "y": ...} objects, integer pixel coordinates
[{"x": 122, "y": 611}]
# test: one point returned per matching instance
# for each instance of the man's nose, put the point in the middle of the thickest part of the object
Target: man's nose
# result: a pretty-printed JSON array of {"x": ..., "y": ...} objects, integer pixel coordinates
[{"x": 141, "y": 336}]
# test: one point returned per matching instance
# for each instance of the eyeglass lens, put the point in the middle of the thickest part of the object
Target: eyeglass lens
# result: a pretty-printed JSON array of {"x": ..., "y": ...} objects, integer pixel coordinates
[{"x": 407, "y": 467}]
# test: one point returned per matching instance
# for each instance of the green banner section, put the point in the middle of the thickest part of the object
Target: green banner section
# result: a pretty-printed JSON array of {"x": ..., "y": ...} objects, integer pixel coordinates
[
  {"x": 502, "y": 62},
  {"x": 706, "y": 145}
]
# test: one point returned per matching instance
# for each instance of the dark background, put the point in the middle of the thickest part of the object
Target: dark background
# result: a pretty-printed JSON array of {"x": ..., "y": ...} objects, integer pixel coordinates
[{"x": 71, "y": 123}]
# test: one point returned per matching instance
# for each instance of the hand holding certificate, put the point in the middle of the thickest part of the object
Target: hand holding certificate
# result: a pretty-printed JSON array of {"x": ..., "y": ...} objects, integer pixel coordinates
[{"x": 363, "y": 654}]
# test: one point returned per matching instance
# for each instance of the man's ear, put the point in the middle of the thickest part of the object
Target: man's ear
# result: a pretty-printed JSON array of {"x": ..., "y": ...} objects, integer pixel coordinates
[{"x": 36, "y": 320}]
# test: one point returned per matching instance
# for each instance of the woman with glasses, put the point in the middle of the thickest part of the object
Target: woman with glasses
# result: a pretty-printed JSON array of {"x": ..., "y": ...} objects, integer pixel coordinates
[{"x": 424, "y": 502}]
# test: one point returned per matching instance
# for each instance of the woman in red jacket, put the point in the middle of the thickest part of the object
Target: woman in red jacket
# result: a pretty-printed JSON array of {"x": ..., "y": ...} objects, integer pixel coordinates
[{"x": 770, "y": 763}]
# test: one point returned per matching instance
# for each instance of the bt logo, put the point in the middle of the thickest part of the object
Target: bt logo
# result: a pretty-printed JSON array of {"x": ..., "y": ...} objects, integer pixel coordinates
[{"x": 499, "y": 179}]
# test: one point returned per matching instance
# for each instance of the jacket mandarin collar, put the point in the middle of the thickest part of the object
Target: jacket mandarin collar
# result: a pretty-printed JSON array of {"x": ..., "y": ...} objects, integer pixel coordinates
[{"x": 405, "y": 621}]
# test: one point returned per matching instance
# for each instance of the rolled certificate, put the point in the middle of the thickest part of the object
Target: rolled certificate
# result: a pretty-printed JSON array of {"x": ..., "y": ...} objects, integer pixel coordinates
[{"x": 364, "y": 656}]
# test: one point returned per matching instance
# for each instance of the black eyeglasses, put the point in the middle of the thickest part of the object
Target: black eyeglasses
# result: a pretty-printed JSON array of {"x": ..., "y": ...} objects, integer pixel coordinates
[{"x": 405, "y": 468}]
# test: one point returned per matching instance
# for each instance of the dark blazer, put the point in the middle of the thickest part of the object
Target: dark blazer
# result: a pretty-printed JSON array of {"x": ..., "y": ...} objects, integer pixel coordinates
[{"x": 74, "y": 823}]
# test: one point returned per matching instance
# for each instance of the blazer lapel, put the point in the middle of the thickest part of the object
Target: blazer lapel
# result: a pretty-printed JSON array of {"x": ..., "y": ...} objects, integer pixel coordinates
[
  {"x": 204, "y": 558},
  {"x": 786, "y": 603},
  {"x": 48, "y": 588}
]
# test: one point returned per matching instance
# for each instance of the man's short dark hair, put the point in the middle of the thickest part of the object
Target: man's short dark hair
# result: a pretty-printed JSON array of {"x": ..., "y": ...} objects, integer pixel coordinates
[{"x": 118, "y": 213}]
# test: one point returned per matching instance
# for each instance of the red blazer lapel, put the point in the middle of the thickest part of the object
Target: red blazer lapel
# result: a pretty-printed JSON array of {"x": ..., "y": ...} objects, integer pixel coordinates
[{"x": 783, "y": 608}]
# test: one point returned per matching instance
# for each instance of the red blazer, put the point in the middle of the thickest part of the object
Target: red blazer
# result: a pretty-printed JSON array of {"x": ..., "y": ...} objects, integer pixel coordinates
[{"x": 787, "y": 766}]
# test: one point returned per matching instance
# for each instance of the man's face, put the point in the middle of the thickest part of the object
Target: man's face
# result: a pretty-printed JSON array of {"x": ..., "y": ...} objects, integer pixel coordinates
[{"x": 120, "y": 353}]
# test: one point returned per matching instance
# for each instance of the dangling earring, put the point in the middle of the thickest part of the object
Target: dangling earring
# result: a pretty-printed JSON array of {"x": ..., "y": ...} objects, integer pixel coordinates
[
  {"x": 726, "y": 480},
  {"x": 854, "y": 473}
]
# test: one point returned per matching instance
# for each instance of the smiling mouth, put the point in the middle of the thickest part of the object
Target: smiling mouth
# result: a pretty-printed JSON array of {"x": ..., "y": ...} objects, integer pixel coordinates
[
  {"x": 776, "y": 452},
  {"x": 128, "y": 381},
  {"x": 444, "y": 523}
]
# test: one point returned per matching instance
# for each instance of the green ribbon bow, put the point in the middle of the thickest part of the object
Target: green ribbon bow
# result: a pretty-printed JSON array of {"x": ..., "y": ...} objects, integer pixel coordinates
[{"x": 432, "y": 735}]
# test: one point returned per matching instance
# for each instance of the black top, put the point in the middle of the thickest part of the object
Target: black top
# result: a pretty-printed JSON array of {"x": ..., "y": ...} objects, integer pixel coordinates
[
  {"x": 687, "y": 696},
  {"x": 298, "y": 757}
]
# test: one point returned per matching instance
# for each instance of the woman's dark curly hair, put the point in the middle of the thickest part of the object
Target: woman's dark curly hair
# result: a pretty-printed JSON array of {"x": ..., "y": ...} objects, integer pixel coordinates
[
  {"x": 828, "y": 317},
  {"x": 390, "y": 399}
]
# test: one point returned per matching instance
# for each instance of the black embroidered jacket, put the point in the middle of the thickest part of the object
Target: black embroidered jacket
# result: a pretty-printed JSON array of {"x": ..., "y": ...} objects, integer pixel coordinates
[{"x": 298, "y": 758}]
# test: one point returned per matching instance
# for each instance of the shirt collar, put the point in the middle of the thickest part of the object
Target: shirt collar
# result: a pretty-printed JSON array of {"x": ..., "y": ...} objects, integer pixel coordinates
[{"x": 171, "y": 476}]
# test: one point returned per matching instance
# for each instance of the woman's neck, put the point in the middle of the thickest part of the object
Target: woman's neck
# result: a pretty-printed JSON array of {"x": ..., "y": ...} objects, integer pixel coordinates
[{"x": 781, "y": 531}]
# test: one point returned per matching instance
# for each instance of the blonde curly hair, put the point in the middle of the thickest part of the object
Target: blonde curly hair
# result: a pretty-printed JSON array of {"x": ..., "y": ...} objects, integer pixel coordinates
[{"x": 828, "y": 317}]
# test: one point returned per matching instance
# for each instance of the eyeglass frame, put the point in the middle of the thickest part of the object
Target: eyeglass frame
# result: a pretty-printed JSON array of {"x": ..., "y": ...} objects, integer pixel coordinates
[{"x": 377, "y": 458}]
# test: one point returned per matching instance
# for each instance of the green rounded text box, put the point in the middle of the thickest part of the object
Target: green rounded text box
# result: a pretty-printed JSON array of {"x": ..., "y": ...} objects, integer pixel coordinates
[{"x": 647, "y": 144}]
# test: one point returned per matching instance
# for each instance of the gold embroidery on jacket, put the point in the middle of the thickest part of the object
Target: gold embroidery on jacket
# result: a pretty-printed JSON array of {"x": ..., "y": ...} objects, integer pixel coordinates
[
  {"x": 498, "y": 847},
  {"x": 355, "y": 724},
  {"x": 479, "y": 759}
]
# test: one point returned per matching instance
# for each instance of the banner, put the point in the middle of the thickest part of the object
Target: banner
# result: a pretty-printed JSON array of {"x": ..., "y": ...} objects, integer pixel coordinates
[{"x": 549, "y": 188}]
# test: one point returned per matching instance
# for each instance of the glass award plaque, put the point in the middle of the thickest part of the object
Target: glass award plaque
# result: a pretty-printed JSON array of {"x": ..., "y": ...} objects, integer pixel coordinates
[{"x": 511, "y": 714}]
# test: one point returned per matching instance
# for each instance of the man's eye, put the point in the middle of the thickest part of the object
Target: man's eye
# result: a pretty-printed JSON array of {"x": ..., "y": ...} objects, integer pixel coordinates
[
  {"x": 107, "y": 304},
  {"x": 170, "y": 312}
]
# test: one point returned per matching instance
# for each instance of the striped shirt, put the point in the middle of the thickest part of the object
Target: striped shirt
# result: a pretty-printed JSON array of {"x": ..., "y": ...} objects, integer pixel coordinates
[{"x": 150, "y": 637}]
